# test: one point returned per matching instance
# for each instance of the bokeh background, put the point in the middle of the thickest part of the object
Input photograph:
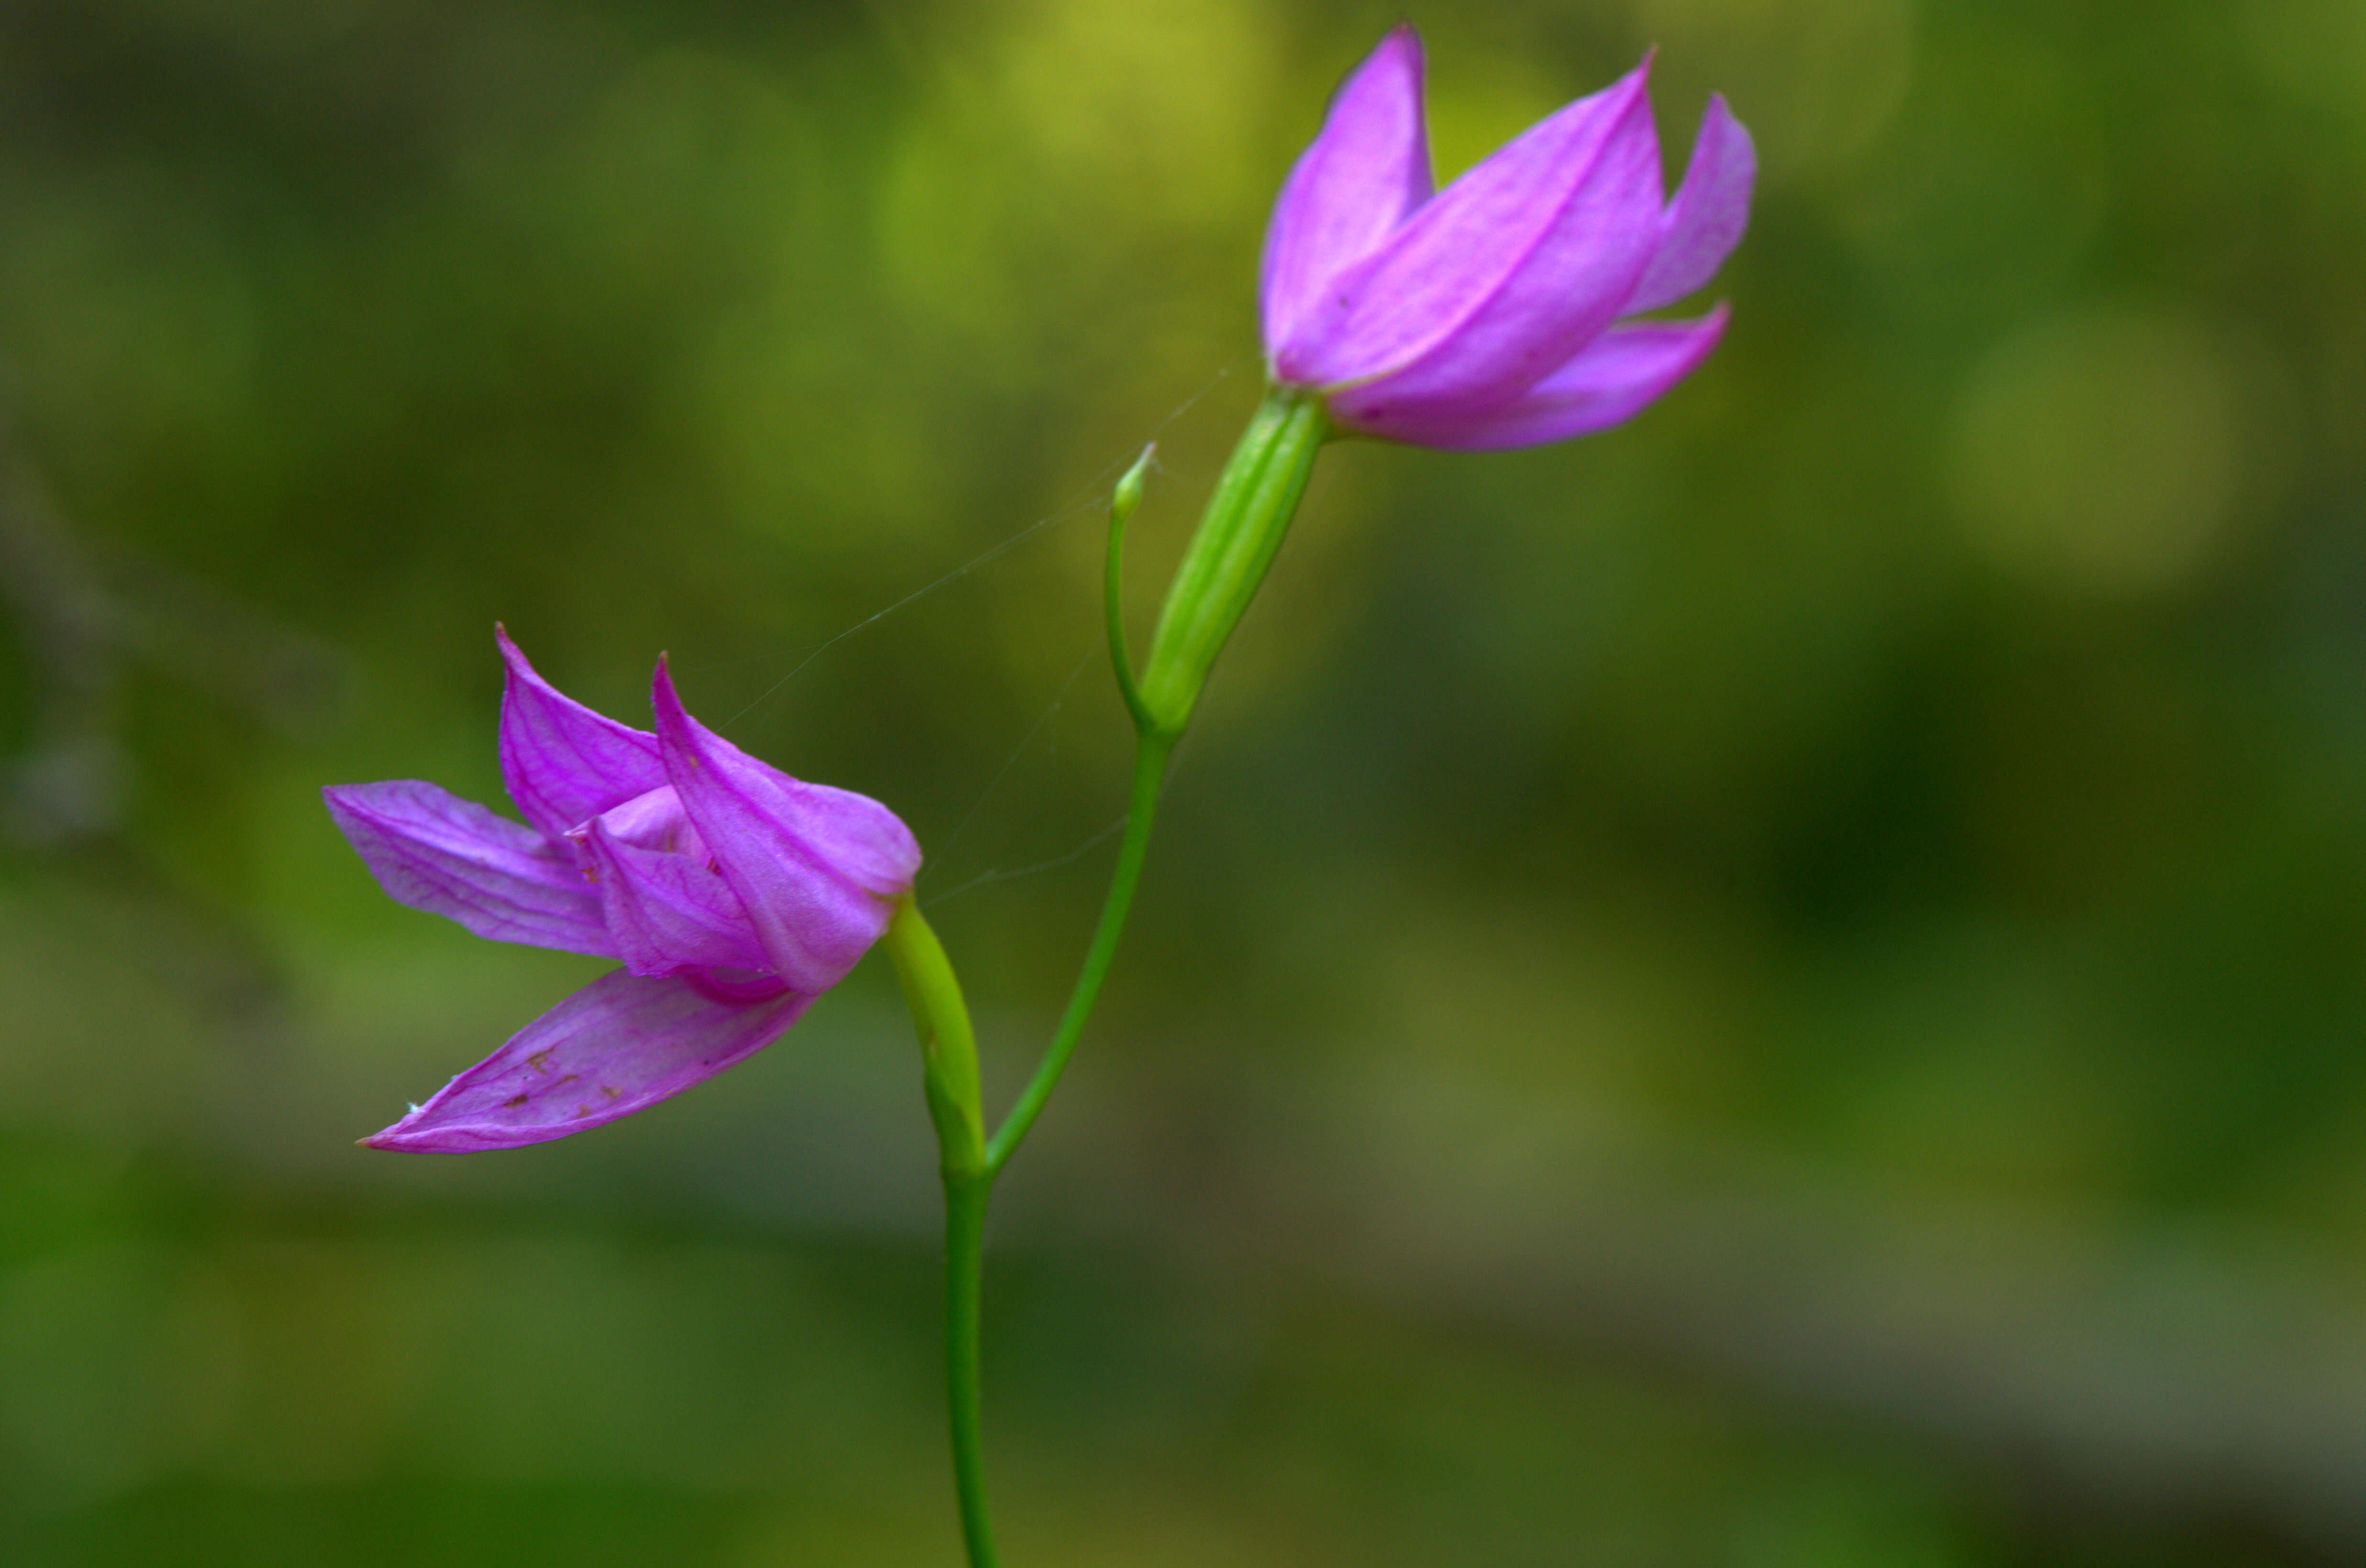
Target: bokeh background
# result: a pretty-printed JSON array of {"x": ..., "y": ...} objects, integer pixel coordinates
[{"x": 1781, "y": 987}]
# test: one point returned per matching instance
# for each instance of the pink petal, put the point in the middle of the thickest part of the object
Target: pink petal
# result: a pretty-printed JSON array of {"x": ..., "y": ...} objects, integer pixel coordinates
[
  {"x": 1611, "y": 380},
  {"x": 1704, "y": 222},
  {"x": 667, "y": 912},
  {"x": 1506, "y": 273},
  {"x": 818, "y": 869},
  {"x": 1366, "y": 170},
  {"x": 431, "y": 850},
  {"x": 618, "y": 1046},
  {"x": 563, "y": 763}
]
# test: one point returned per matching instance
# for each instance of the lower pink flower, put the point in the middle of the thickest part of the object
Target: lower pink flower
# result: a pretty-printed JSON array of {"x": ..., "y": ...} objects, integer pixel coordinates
[{"x": 733, "y": 894}]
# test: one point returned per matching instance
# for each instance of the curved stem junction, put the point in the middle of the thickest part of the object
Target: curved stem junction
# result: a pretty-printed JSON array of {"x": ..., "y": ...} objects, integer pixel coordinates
[{"x": 1220, "y": 574}]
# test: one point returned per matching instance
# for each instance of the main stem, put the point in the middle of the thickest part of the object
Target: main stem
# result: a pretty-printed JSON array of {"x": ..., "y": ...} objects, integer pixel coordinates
[
  {"x": 948, "y": 1061},
  {"x": 948, "y": 1054},
  {"x": 966, "y": 1201}
]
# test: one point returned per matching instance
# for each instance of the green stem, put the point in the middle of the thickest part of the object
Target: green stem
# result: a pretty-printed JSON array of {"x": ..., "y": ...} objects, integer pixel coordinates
[
  {"x": 1225, "y": 561},
  {"x": 966, "y": 1201},
  {"x": 1150, "y": 755},
  {"x": 949, "y": 1059}
]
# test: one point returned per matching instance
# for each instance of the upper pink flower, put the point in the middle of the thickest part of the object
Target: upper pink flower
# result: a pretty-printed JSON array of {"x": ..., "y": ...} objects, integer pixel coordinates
[
  {"x": 1488, "y": 315},
  {"x": 734, "y": 894}
]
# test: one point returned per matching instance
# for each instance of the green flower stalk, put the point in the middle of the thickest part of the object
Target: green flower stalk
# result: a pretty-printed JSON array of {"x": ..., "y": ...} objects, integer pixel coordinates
[{"x": 1494, "y": 313}]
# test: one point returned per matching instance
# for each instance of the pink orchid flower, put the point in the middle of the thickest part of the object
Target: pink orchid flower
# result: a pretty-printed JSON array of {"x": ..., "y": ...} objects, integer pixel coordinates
[
  {"x": 733, "y": 894},
  {"x": 1493, "y": 313}
]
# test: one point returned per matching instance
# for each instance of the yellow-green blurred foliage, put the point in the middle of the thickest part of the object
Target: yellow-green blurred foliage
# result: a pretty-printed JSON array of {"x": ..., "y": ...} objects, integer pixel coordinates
[{"x": 1782, "y": 987}]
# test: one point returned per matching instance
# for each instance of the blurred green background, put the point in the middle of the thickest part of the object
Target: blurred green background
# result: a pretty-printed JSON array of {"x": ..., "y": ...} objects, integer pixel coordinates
[{"x": 1779, "y": 987}]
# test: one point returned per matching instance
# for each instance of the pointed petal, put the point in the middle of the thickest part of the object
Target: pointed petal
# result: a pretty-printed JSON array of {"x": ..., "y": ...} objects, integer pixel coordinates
[
  {"x": 1366, "y": 171},
  {"x": 819, "y": 870},
  {"x": 1704, "y": 222},
  {"x": 667, "y": 912},
  {"x": 1506, "y": 273},
  {"x": 1610, "y": 381},
  {"x": 562, "y": 762},
  {"x": 431, "y": 850},
  {"x": 620, "y": 1044}
]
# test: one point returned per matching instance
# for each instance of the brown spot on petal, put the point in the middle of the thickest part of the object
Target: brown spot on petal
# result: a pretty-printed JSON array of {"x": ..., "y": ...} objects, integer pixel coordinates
[
  {"x": 513, "y": 1102},
  {"x": 611, "y": 1091},
  {"x": 581, "y": 1111},
  {"x": 569, "y": 1079},
  {"x": 540, "y": 1060}
]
